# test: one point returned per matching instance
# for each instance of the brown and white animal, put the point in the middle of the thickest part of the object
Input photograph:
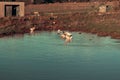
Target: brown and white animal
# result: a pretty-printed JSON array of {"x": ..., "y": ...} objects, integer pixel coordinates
[
  {"x": 65, "y": 35},
  {"x": 68, "y": 39}
]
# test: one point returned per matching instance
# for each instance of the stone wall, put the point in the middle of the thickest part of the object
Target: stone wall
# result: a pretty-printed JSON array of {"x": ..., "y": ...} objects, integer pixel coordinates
[{"x": 56, "y": 7}]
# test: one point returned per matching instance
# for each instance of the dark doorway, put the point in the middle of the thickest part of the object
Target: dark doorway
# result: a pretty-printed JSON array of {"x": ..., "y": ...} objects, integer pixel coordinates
[
  {"x": 14, "y": 10},
  {"x": 11, "y": 10}
]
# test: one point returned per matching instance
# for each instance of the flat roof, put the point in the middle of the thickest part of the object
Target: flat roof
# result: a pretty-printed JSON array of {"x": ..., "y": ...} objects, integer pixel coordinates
[{"x": 9, "y": 3}]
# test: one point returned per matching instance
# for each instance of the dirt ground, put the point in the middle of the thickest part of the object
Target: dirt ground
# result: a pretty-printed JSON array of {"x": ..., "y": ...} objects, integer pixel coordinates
[{"x": 75, "y": 18}]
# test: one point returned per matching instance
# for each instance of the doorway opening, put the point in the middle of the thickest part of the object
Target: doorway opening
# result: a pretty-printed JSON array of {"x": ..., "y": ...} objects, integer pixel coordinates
[{"x": 11, "y": 10}]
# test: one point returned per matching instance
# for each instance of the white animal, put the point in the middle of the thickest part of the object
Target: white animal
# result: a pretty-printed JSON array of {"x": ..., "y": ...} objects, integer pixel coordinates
[
  {"x": 32, "y": 29},
  {"x": 63, "y": 36},
  {"x": 68, "y": 39},
  {"x": 67, "y": 34},
  {"x": 59, "y": 31}
]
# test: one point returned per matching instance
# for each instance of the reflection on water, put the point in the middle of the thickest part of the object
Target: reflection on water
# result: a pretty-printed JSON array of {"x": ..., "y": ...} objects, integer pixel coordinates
[{"x": 43, "y": 56}]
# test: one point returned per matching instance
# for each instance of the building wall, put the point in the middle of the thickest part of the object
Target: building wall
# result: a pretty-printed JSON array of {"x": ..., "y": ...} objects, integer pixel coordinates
[
  {"x": 1, "y": 10},
  {"x": 26, "y": 1},
  {"x": 2, "y": 7},
  {"x": 47, "y": 1}
]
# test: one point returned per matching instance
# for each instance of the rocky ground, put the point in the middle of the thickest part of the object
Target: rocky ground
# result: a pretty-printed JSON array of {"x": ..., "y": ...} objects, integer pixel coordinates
[{"x": 102, "y": 24}]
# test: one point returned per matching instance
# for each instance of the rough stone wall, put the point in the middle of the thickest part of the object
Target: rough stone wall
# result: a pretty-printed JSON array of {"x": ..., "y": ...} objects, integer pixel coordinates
[{"x": 56, "y": 7}]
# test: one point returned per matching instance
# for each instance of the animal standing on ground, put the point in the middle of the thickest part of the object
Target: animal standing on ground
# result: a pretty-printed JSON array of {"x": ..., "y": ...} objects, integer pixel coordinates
[{"x": 32, "y": 29}]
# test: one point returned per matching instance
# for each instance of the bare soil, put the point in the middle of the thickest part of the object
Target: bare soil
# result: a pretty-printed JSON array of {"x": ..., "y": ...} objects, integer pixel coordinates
[{"x": 71, "y": 19}]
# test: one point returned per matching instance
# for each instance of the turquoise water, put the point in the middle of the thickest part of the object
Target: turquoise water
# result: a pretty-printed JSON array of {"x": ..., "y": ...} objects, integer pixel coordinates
[{"x": 43, "y": 56}]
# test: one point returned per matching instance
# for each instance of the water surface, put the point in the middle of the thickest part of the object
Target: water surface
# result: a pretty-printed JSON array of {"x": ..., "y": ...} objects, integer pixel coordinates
[{"x": 43, "y": 56}]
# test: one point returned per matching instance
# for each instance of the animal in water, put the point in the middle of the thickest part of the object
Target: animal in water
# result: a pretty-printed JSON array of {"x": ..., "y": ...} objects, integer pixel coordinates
[
  {"x": 68, "y": 38},
  {"x": 59, "y": 31},
  {"x": 65, "y": 35}
]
